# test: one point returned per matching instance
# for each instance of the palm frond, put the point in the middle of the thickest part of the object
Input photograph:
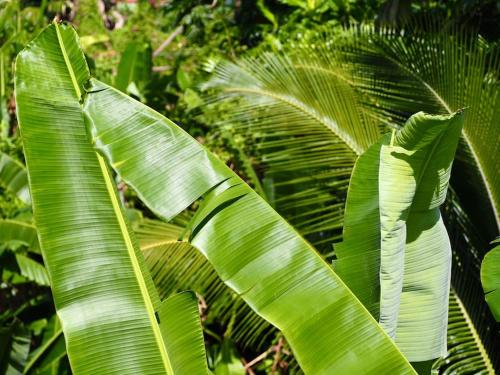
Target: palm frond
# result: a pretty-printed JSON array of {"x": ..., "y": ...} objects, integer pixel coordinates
[
  {"x": 437, "y": 71},
  {"x": 469, "y": 248},
  {"x": 304, "y": 130},
  {"x": 466, "y": 353}
]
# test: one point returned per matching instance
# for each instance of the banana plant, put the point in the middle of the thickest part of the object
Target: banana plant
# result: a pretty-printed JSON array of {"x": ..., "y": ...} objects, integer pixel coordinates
[
  {"x": 112, "y": 318},
  {"x": 294, "y": 109},
  {"x": 400, "y": 268},
  {"x": 253, "y": 250},
  {"x": 104, "y": 297}
]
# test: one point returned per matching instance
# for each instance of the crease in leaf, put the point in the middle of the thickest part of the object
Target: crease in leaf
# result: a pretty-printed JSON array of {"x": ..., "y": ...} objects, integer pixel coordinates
[
  {"x": 246, "y": 231},
  {"x": 393, "y": 200}
]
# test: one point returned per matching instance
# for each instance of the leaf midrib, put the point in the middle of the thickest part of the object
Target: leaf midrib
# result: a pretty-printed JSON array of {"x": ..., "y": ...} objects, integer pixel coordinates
[
  {"x": 123, "y": 227},
  {"x": 293, "y": 102}
]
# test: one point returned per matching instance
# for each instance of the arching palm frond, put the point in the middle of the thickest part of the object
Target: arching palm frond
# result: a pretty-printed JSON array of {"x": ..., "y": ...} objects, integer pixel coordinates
[
  {"x": 466, "y": 353},
  {"x": 305, "y": 131},
  {"x": 468, "y": 251},
  {"x": 438, "y": 71}
]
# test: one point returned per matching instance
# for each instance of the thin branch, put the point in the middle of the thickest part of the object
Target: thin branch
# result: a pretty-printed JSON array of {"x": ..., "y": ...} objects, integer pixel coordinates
[
  {"x": 277, "y": 356},
  {"x": 161, "y": 68},
  {"x": 248, "y": 370},
  {"x": 257, "y": 359},
  {"x": 169, "y": 40}
]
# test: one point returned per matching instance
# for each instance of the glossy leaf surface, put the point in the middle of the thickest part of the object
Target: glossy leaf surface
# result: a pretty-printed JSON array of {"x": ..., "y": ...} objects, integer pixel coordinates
[
  {"x": 181, "y": 329},
  {"x": 251, "y": 247},
  {"x": 104, "y": 296}
]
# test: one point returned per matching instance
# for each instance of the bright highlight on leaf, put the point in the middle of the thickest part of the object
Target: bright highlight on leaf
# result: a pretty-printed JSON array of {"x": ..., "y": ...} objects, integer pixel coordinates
[{"x": 250, "y": 246}]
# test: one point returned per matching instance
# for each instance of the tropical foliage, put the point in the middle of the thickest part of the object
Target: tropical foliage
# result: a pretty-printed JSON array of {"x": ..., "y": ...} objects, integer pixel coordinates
[
  {"x": 295, "y": 99},
  {"x": 490, "y": 277}
]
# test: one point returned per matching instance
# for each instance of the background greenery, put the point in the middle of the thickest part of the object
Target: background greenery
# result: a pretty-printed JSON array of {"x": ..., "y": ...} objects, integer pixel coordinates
[{"x": 174, "y": 56}]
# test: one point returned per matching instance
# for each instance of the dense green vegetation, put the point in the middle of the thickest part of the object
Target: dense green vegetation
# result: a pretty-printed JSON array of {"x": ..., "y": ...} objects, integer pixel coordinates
[{"x": 272, "y": 157}]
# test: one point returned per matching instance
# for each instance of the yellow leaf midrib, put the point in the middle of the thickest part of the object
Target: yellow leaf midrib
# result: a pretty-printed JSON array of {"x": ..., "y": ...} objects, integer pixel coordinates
[{"x": 123, "y": 226}]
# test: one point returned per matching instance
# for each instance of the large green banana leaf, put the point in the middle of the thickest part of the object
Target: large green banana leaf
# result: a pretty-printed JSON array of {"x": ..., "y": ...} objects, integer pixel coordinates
[
  {"x": 251, "y": 247},
  {"x": 174, "y": 266},
  {"x": 14, "y": 178},
  {"x": 490, "y": 278},
  {"x": 104, "y": 296},
  {"x": 358, "y": 256},
  {"x": 394, "y": 198}
]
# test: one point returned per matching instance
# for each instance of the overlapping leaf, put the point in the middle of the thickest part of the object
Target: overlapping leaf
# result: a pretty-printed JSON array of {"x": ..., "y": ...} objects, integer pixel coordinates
[{"x": 251, "y": 247}]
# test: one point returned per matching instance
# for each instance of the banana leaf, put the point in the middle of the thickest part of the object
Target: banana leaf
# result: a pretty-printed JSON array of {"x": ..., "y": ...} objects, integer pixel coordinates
[
  {"x": 403, "y": 258},
  {"x": 104, "y": 296},
  {"x": 260, "y": 256},
  {"x": 181, "y": 329}
]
